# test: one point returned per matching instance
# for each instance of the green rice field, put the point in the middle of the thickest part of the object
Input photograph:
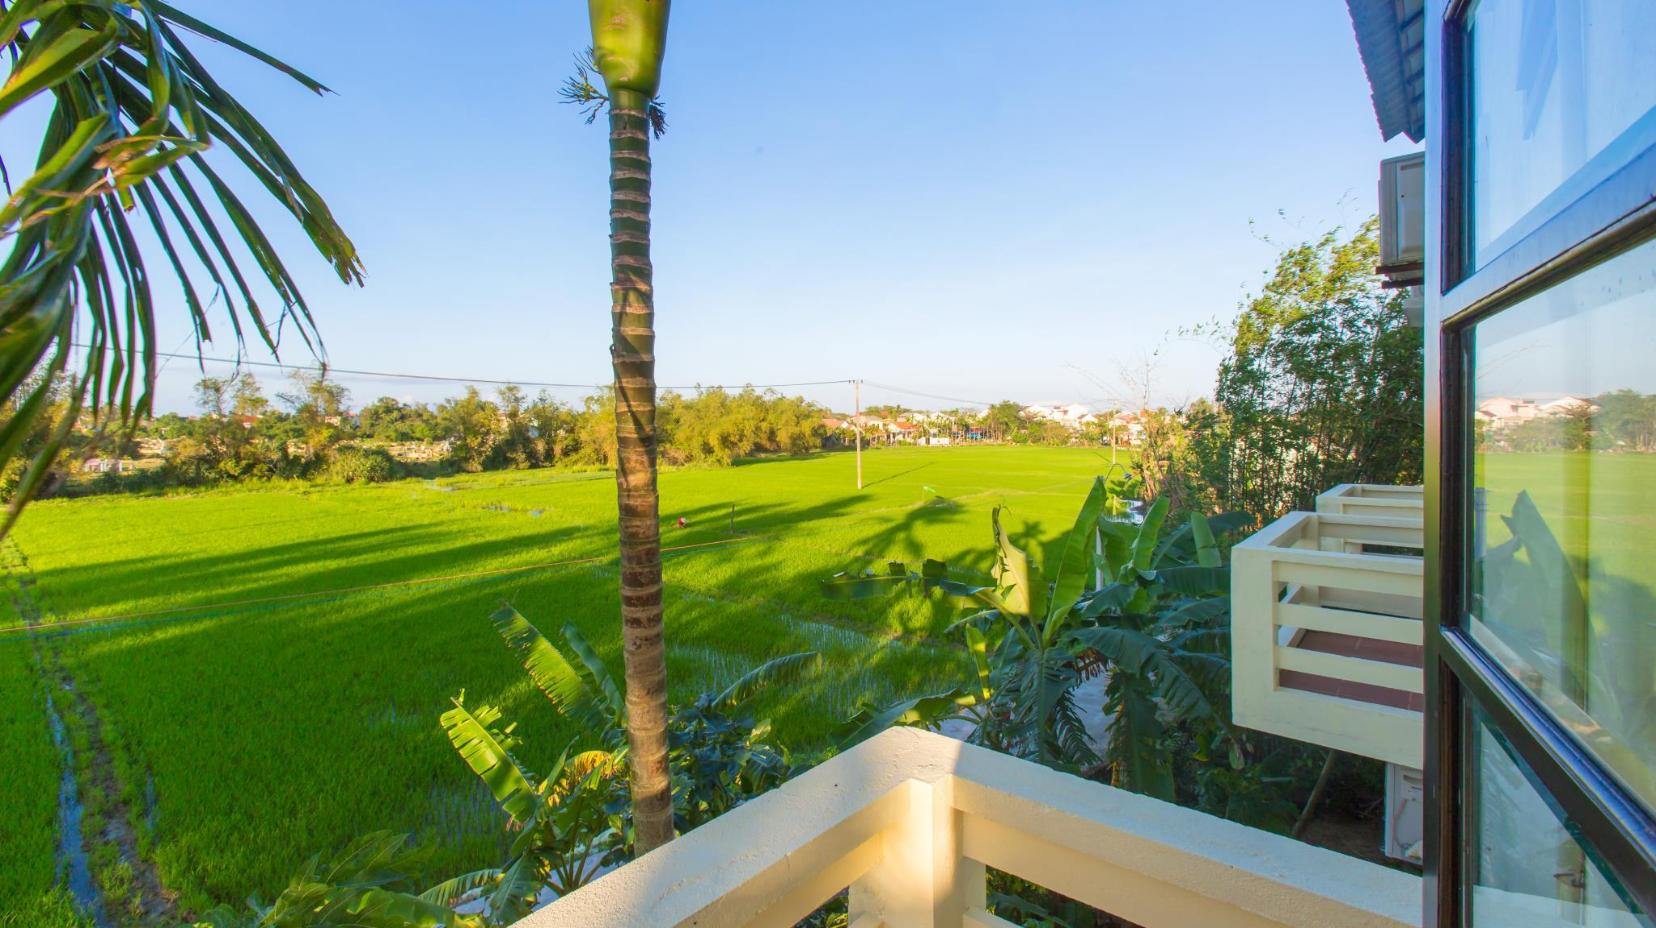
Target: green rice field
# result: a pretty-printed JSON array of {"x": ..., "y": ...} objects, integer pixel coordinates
[{"x": 268, "y": 665}]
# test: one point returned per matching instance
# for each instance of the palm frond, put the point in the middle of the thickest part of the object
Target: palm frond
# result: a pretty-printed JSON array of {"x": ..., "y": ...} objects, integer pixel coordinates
[
  {"x": 778, "y": 671},
  {"x": 132, "y": 107},
  {"x": 927, "y": 712},
  {"x": 550, "y": 670},
  {"x": 1075, "y": 564},
  {"x": 1137, "y": 653},
  {"x": 488, "y": 752},
  {"x": 453, "y": 889},
  {"x": 521, "y": 882},
  {"x": 592, "y": 668}
]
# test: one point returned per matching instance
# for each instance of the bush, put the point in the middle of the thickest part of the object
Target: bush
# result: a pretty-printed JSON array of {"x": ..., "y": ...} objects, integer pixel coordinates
[{"x": 361, "y": 465}]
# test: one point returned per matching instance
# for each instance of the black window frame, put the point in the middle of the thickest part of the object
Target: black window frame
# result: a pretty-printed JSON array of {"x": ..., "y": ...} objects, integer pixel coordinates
[{"x": 1614, "y": 216}]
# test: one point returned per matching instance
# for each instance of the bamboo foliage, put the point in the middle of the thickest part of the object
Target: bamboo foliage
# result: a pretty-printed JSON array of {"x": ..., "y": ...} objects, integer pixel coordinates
[{"x": 132, "y": 113}]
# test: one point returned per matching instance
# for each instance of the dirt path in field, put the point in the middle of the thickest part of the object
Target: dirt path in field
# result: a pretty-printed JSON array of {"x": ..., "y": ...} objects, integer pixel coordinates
[{"x": 107, "y": 873}]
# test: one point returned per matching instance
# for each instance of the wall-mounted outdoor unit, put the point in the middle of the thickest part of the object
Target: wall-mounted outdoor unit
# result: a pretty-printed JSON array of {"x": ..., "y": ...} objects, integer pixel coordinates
[{"x": 1403, "y": 220}]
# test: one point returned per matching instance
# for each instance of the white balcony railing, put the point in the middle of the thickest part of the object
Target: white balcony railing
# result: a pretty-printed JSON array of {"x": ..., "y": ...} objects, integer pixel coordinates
[
  {"x": 909, "y": 820},
  {"x": 1326, "y": 632},
  {"x": 1373, "y": 499}
]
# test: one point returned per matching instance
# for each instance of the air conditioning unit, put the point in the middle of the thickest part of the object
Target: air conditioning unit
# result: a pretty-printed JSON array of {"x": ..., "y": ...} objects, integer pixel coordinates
[
  {"x": 1405, "y": 813},
  {"x": 1403, "y": 220}
]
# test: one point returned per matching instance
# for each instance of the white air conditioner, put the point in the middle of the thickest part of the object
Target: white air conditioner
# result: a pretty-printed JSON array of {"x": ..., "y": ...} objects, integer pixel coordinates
[
  {"x": 1405, "y": 813},
  {"x": 1403, "y": 219}
]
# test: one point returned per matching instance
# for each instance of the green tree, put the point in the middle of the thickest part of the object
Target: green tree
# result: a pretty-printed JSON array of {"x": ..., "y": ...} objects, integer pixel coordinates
[
  {"x": 132, "y": 111},
  {"x": 554, "y": 428},
  {"x": 1322, "y": 384},
  {"x": 516, "y": 444},
  {"x": 1004, "y": 419},
  {"x": 319, "y": 410},
  {"x": 388, "y": 419},
  {"x": 472, "y": 423},
  {"x": 1626, "y": 420},
  {"x": 629, "y": 39}
]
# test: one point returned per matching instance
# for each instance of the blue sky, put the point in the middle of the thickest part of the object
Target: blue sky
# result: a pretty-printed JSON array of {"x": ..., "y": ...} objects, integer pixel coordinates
[{"x": 968, "y": 199}]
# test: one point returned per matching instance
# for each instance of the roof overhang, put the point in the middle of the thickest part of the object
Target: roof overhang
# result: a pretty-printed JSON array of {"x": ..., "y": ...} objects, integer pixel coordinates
[{"x": 1391, "y": 37}]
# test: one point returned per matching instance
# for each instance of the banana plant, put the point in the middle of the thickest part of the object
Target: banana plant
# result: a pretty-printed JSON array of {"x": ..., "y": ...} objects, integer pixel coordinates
[
  {"x": 364, "y": 887},
  {"x": 1156, "y": 627},
  {"x": 569, "y": 824},
  {"x": 559, "y": 820},
  {"x": 1023, "y": 699}
]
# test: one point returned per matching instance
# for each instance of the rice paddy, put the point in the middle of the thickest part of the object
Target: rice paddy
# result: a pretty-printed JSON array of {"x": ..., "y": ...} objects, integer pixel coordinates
[{"x": 266, "y": 666}]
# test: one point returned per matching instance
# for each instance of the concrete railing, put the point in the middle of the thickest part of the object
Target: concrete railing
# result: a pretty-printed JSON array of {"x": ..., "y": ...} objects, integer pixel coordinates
[
  {"x": 909, "y": 821},
  {"x": 1373, "y": 499},
  {"x": 1326, "y": 633}
]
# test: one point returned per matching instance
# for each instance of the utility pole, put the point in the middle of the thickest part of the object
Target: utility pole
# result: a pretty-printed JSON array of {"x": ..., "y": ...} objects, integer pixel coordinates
[{"x": 856, "y": 392}]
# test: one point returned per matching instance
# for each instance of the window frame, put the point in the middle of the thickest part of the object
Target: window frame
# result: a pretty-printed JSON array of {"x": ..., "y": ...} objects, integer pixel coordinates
[{"x": 1617, "y": 214}]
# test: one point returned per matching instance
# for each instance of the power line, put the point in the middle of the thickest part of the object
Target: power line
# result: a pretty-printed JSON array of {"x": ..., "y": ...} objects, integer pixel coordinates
[
  {"x": 495, "y": 381},
  {"x": 929, "y": 396},
  {"x": 441, "y": 378}
]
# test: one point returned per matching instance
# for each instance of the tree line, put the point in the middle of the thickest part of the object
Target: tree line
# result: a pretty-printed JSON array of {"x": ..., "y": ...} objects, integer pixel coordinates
[{"x": 308, "y": 431}]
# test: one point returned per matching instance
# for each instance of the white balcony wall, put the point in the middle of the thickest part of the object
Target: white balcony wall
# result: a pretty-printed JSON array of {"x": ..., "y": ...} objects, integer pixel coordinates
[{"x": 909, "y": 820}]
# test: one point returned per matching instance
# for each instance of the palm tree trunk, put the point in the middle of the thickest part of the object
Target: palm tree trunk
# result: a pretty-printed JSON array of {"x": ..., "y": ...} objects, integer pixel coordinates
[{"x": 632, "y": 352}]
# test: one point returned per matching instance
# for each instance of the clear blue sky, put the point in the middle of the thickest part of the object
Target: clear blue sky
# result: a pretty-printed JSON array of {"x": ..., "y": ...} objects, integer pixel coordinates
[{"x": 972, "y": 199}]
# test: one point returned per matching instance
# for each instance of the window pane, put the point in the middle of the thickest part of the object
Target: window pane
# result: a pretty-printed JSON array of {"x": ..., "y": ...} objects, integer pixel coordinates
[
  {"x": 1562, "y": 588},
  {"x": 1525, "y": 867},
  {"x": 1561, "y": 97}
]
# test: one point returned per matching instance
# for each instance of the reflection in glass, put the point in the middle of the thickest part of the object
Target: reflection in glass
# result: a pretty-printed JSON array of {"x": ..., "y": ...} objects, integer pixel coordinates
[
  {"x": 1561, "y": 97},
  {"x": 1524, "y": 866},
  {"x": 1563, "y": 536}
]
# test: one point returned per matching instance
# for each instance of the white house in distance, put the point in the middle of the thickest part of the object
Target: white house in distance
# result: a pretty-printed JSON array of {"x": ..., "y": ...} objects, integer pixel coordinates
[
  {"x": 1074, "y": 416},
  {"x": 1502, "y": 411}
]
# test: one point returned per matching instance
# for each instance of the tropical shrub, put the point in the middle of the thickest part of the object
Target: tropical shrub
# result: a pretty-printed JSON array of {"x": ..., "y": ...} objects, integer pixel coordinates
[
  {"x": 361, "y": 465},
  {"x": 1157, "y": 626},
  {"x": 1145, "y": 606},
  {"x": 367, "y": 886}
]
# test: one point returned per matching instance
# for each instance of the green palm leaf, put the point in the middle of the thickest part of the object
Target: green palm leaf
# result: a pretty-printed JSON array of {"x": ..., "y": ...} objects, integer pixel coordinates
[
  {"x": 597, "y": 675},
  {"x": 778, "y": 671},
  {"x": 556, "y": 676},
  {"x": 131, "y": 107},
  {"x": 1075, "y": 565},
  {"x": 450, "y": 890},
  {"x": 1135, "y": 653},
  {"x": 380, "y": 908},
  {"x": 488, "y": 752}
]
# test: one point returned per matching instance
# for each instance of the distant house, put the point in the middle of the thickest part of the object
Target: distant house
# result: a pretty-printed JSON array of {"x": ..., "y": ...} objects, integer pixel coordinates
[
  {"x": 1501, "y": 411},
  {"x": 101, "y": 466},
  {"x": 1565, "y": 405},
  {"x": 1127, "y": 428},
  {"x": 1071, "y": 416}
]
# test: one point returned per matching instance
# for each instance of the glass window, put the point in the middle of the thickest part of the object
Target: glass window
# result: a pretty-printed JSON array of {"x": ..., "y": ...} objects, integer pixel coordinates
[
  {"x": 1562, "y": 586},
  {"x": 1561, "y": 97},
  {"x": 1525, "y": 865}
]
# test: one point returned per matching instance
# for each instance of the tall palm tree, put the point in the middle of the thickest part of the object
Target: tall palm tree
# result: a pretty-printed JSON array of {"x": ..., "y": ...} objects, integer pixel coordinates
[
  {"x": 628, "y": 40},
  {"x": 121, "y": 147}
]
